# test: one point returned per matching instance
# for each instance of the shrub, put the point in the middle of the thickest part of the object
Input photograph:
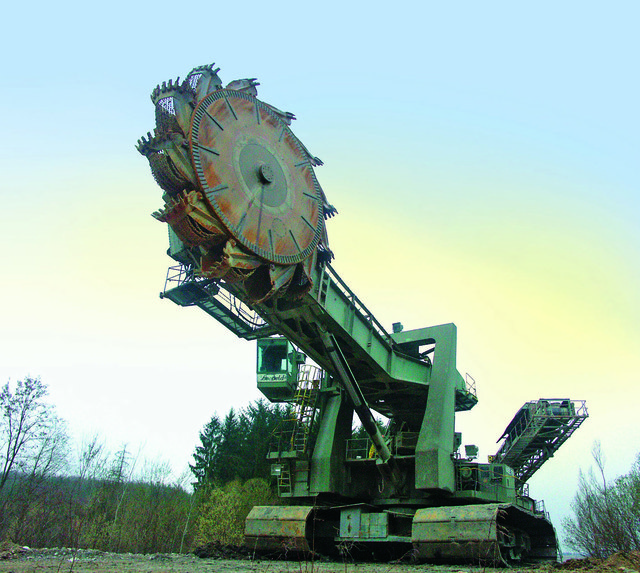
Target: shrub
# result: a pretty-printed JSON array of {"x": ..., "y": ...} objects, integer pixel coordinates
[
  {"x": 223, "y": 510},
  {"x": 607, "y": 516}
]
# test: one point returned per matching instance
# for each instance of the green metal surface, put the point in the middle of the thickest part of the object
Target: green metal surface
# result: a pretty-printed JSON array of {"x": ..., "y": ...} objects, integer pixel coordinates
[
  {"x": 277, "y": 369},
  {"x": 246, "y": 217},
  {"x": 453, "y": 533},
  {"x": 277, "y": 528}
]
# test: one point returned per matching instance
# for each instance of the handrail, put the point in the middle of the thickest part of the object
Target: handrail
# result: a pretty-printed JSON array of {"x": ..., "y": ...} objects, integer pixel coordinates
[
  {"x": 358, "y": 305},
  {"x": 217, "y": 290},
  {"x": 470, "y": 384}
]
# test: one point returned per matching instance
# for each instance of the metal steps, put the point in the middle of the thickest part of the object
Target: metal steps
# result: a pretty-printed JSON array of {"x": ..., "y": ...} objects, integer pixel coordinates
[{"x": 304, "y": 400}]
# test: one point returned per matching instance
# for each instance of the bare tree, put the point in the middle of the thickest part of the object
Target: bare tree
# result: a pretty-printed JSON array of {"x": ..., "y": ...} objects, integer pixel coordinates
[
  {"x": 92, "y": 458},
  {"x": 33, "y": 448},
  {"x": 31, "y": 435},
  {"x": 606, "y": 515}
]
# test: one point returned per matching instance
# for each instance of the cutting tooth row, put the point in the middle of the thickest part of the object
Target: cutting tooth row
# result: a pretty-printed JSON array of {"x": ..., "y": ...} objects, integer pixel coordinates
[
  {"x": 248, "y": 85},
  {"x": 207, "y": 68},
  {"x": 171, "y": 207},
  {"x": 187, "y": 87},
  {"x": 170, "y": 88},
  {"x": 151, "y": 143},
  {"x": 203, "y": 80}
]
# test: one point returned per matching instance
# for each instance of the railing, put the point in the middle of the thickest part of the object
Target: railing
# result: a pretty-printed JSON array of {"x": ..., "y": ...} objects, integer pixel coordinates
[
  {"x": 541, "y": 509},
  {"x": 470, "y": 384},
  {"x": 294, "y": 433},
  {"x": 214, "y": 291},
  {"x": 357, "y": 305},
  {"x": 220, "y": 295},
  {"x": 240, "y": 309},
  {"x": 359, "y": 449},
  {"x": 534, "y": 413},
  {"x": 403, "y": 443},
  {"x": 488, "y": 480},
  {"x": 284, "y": 441},
  {"x": 177, "y": 276}
]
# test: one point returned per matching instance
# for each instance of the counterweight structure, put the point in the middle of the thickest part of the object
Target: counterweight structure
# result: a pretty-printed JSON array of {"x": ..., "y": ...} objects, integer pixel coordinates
[{"x": 246, "y": 219}]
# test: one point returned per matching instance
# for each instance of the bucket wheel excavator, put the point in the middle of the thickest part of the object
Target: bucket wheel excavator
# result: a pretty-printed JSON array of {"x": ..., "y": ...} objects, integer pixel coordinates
[{"x": 246, "y": 218}]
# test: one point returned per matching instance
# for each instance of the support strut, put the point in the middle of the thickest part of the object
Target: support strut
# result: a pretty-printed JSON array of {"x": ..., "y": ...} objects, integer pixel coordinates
[{"x": 386, "y": 463}]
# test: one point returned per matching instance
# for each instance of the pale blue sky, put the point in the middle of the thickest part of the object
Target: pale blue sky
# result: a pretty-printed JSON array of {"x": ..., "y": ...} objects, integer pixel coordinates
[{"x": 483, "y": 157}]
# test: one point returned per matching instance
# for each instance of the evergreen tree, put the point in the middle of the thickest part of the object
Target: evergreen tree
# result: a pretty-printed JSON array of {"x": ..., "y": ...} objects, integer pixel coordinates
[
  {"x": 263, "y": 422},
  {"x": 204, "y": 457},
  {"x": 231, "y": 451},
  {"x": 237, "y": 448}
]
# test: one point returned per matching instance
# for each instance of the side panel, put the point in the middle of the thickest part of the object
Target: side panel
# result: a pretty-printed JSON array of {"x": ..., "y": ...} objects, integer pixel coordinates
[
  {"x": 328, "y": 458},
  {"x": 277, "y": 528},
  {"x": 454, "y": 533}
]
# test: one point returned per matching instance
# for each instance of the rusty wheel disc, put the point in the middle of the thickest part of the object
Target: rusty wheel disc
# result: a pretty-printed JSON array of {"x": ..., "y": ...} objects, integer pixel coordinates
[{"x": 256, "y": 176}]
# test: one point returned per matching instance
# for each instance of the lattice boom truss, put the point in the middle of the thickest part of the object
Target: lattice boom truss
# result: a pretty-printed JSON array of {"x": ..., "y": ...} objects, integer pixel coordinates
[{"x": 537, "y": 430}]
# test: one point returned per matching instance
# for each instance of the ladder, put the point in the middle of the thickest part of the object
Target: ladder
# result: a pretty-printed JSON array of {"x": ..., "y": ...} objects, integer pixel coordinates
[
  {"x": 284, "y": 480},
  {"x": 304, "y": 400}
]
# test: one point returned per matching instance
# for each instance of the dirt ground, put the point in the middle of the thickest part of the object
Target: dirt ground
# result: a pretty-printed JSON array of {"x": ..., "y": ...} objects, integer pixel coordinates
[{"x": 16, "y": 559}]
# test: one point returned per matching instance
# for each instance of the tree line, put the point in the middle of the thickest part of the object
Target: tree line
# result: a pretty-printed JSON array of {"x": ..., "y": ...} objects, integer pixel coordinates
[{"x": 51, "y": 495}]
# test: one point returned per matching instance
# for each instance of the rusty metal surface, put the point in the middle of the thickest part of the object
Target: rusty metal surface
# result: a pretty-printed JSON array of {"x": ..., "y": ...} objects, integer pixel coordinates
[
  {"x": 487, "y": 552},
  {"x": 256, "y": 176},
  {"x": 277, "y": 528},
  {"x": 240, "y": 190}
]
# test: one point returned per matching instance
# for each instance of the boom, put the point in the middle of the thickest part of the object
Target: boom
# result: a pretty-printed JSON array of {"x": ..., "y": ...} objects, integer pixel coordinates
[{"x": 393, "y": 370}]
